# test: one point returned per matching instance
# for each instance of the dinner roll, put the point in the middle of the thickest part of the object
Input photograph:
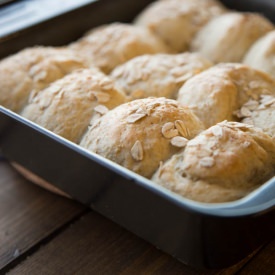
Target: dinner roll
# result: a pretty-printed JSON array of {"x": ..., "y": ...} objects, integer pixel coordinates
[
  {"x": 215, "y": 94},
  {"x": 260, "y": 113},
  {"x": 33, "y": 69},
  {"x": 227, "y": 37},
  {"x": 223, "y": 163},
  {"x": 261, "y": 55},
  {"x": 159, "y": 75},
  {"x": 177, "y": 21},
  {"x": 141, "y": 133},
  {"x": 67, "y": 106},
  {"x": 111, "y": 45}
]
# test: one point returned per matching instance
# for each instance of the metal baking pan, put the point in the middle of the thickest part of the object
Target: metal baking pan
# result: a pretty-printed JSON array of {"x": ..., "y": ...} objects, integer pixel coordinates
[{"x": 198, "y": 234}]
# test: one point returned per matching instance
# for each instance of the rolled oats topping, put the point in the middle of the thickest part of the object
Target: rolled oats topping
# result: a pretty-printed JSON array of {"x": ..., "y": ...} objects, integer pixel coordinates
[
  {"x": 217, "y": 131},
  {"x": 101, "y": 109},
  {"x": 267, "y": 100},
  {"x": 207, "y": 162},
  {"x": 251, "y": 104},
  {"x": 102, "y": 97},
  {"x": 248, "y": 120},
  {"x": 245, "y": 112},
  {"x": 180, "y": 126},
  {"x": 137, "y": 151},
  {"x": 179, "y": 141},
  {"x": 168, "y": 130},
  {"x": 135, "y": 117},
  {"x": 44, "y": 102},
  {"x": 184, "y": 78},
  {"x": 106, "y": 84}
]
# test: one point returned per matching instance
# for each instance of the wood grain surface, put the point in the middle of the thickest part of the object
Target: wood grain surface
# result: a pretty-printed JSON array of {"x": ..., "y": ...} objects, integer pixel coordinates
[
  {"x": 94, "y": 245},
  {"x": 28, "y": 214},
  {"x": 42, "y": 233}
]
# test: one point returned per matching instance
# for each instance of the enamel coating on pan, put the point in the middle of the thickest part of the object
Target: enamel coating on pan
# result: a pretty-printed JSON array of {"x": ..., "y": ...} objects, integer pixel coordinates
[{"x": 43, "y": 22}]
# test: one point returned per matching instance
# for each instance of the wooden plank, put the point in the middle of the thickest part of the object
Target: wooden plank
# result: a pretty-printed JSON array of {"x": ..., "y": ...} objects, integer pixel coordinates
[
  {"x": 262, "y": 263},
  {"x": 95, "y": 245},
  {"x": 28, "y": 214},
  {"x": 92, "y": 245}
]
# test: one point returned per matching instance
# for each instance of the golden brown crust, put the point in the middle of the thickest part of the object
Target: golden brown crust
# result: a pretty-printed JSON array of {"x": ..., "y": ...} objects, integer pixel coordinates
[
  {"x": 261, "y": 55},
  {"x": 67, "y": 106},
  {"x": 228, "y": 37},
  {"x": 33, "y": 69},
  {"x": 215, "y": 94},
  {"x": 223, "y": 163},
  {"x": 158, "y": 75},
  {"x": 260, "y": 113},
  {"x": 160, "y": 136},
  {"x": 177, "y": 21},
  {"x": 138, "y": 134},
  {"x": 111, "y": 45}
]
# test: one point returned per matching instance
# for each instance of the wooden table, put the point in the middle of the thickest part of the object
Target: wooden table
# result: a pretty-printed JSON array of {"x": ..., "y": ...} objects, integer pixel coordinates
[{"x": 43, "y": 233}]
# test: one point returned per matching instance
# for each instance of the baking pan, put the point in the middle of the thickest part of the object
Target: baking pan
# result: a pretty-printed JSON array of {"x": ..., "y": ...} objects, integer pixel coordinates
[
  {"x": 265, "y": 7},
  {"x": 198, "y": 234}
]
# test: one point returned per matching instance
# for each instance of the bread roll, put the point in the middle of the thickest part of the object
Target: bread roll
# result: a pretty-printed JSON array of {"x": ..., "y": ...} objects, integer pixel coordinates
[
  {"x": 261, "y": 55},
  {"x": 67, "y": 106},
  {"x": 159, "y": 75},
  {"x": 215, "y": 94},
  {"x": 177, "y": 21},
  {"x": 223, "y": 163},
  {"x": 33, "y": 69},
  {"x": 141, "y": 133},
  {"x": 260, "y": 113},
  {"x": 228, "y": 37},
  {"x": 111, "y": 45}
]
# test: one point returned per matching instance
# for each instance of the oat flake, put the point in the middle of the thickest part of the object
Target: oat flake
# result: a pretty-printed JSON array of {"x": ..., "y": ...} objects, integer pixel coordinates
[
  {"x": 245, "y": 112},
  {"x": 207, "y": 162},
  {"x": 101, "y": 109},
  {"x": 179, "y": 141},
  {"x": 217, "y": 131},
  {"x": 135, "y": 117},
  {"x": 137, "y": 151},
  {"x": 102, "y": 97},
  {"x": 180, "y": 126},
  {"x": 168, "y": 130}
]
